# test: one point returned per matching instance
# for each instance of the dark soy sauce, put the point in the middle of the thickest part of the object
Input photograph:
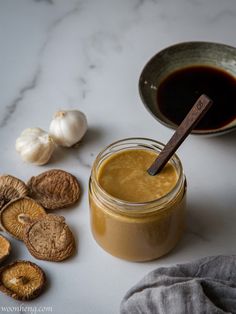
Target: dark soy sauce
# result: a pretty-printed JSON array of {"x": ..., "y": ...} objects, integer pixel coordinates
[{"x": 179, "y": 91}]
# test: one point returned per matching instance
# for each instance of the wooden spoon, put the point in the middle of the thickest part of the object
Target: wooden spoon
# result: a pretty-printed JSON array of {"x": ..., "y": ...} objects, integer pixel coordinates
[{"x": 198, "y": 110}]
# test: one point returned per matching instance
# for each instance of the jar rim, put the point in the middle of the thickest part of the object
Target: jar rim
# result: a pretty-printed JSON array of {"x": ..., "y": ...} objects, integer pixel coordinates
[{"x": 139, "y": 141}]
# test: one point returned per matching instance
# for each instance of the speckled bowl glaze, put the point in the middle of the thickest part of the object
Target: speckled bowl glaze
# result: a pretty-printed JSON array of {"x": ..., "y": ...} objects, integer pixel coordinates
[{"x": 180, "y": 56}]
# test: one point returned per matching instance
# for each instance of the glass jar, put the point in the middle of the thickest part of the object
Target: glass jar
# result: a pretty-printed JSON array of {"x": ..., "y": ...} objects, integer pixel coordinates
[{"x": 136, "y": 231}]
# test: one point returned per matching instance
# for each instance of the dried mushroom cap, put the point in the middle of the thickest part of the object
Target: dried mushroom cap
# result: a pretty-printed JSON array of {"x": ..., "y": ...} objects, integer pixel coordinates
[
  {"x": 5, "y": 248},
  {"x": 22, "y": 280},
  {"x": 11, "y": 188},
  {"x": 17, "y": 213},
  {"x": 54, "y": 189},
  {"x": 49, "y": 238}
]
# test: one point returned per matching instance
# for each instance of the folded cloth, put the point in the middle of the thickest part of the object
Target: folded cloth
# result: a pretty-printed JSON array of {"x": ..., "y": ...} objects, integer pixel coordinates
[{"x": 201, "y": 287}]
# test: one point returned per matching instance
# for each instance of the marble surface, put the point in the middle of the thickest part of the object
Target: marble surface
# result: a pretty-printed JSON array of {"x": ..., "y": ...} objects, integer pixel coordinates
[{"x": 88, "y": 55}]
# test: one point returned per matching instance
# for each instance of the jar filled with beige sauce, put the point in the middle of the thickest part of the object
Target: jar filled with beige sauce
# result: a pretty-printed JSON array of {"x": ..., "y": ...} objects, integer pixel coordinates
[{"x": 135, "y": 216}]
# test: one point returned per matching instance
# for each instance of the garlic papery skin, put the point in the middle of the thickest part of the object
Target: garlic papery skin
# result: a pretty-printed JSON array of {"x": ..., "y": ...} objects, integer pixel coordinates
[
  {"x": 35, "y": 146},
  {"x": 68, "y": 127}
]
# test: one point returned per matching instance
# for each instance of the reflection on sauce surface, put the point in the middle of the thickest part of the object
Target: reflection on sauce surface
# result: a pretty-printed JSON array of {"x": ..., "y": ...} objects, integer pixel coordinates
[{"x": 124, "y": 176}]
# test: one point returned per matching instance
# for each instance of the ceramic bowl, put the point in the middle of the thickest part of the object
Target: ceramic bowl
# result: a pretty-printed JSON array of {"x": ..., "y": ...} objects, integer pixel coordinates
[{"x": 179, "y": 56}]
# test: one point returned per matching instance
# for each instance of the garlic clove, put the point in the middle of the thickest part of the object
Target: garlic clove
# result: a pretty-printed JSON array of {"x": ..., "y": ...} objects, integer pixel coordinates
[
  {"x": 31, "y": 131},
  {"x": 46, "y": 154},
  {"x": 68, "y": 127},
  {"x": 35, "y": 146}
]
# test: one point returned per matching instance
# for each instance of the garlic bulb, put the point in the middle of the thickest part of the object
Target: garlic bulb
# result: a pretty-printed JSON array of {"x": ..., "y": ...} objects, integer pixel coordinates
[
  {"x": 35, "y": 146},
  {"x": 68, "y": 127}
]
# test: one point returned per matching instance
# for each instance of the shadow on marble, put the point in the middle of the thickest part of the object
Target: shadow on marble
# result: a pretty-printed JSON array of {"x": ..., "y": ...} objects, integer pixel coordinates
[
  {"x": 60, "y": 154},
  {"x": 208, "y": 225},
  {"x": 86, "y": 158},
  {"x": 226, "y": 138},
  {"x": 93, "y": 136}
]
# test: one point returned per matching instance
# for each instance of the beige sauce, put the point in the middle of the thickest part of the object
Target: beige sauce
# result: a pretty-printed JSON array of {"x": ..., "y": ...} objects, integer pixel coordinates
[{"x": 124, "y": 176}]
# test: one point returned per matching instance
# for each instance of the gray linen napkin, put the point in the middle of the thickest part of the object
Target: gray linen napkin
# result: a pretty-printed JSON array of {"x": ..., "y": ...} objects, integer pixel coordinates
[{"x": 204, "y": 286}]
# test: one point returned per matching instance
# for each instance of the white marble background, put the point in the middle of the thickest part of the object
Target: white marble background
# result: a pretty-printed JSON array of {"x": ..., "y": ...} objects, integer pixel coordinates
[{"x": 88, "y": 54}]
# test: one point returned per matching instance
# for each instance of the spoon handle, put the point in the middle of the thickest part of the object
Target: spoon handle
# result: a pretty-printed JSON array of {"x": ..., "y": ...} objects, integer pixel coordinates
[{"x": 198, "y": 110}]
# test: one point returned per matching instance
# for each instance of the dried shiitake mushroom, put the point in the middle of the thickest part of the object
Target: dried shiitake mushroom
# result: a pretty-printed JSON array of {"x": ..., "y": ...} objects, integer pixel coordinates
[
  {"x": 5, "y": 248},
  {"x": 49, "y": 238},
  {"x": 17, "y": 213},
  {"x": 22, "y": 280},
  {"x": 54, "y": 189},
  {"x": 11, "y": 188}
]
